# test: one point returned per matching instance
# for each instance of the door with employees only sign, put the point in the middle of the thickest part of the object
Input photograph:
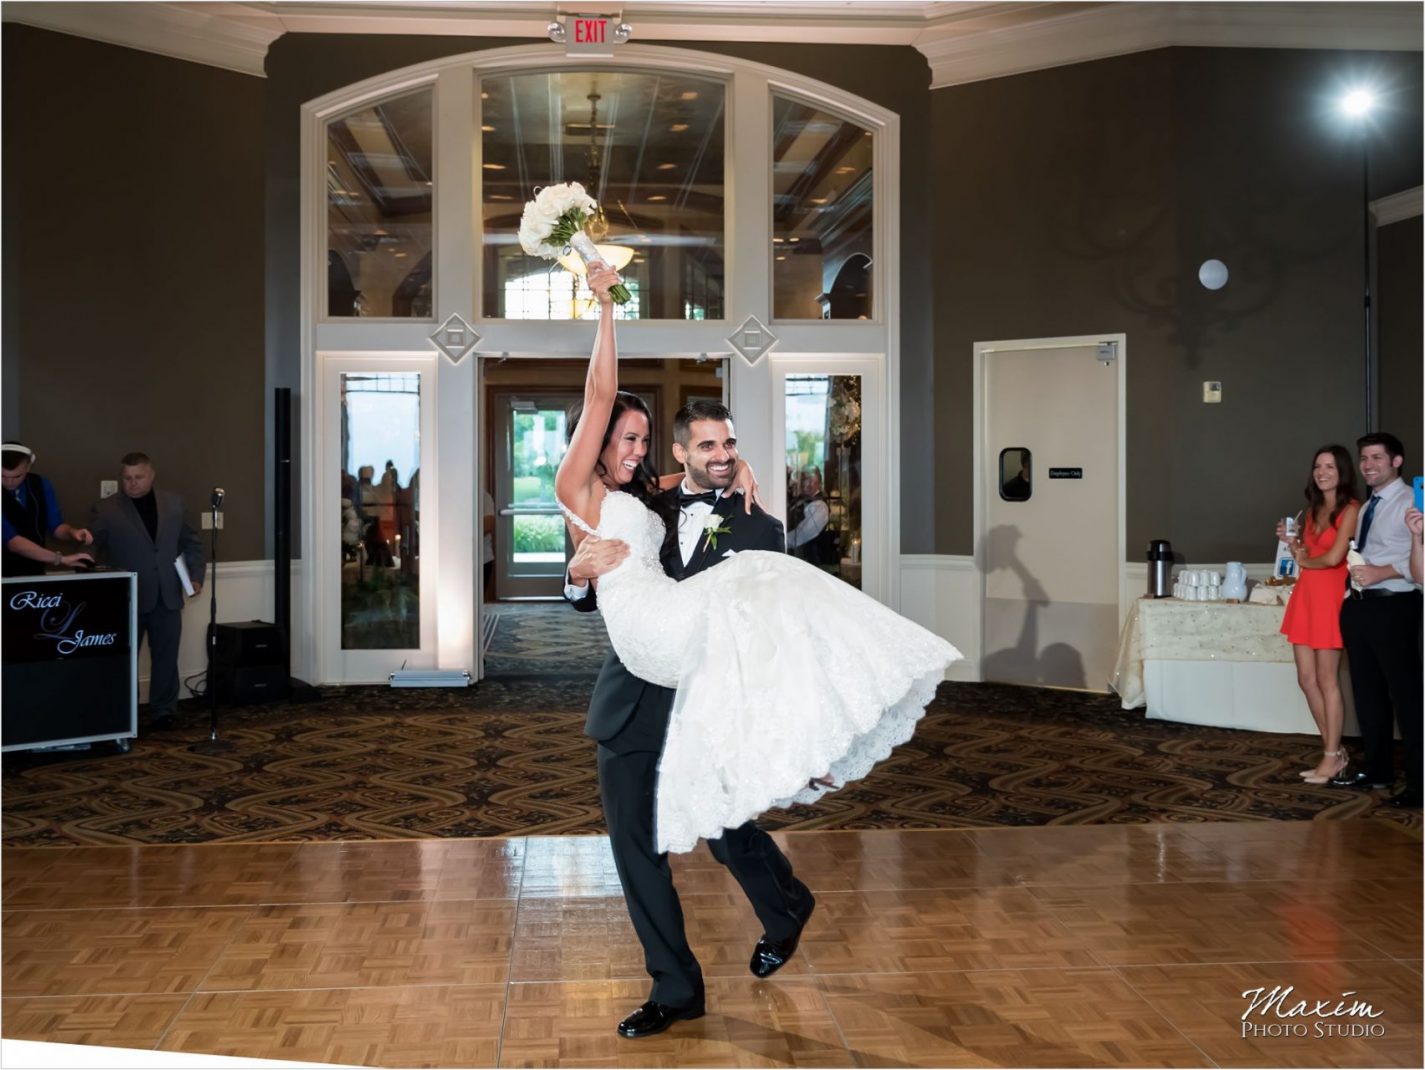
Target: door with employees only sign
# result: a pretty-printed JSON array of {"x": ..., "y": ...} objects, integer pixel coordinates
[{"x": 1049, "y": 509}]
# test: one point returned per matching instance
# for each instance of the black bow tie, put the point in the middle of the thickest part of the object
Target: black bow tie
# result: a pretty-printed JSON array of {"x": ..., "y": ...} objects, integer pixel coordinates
[{"x": 685, "y": 499}]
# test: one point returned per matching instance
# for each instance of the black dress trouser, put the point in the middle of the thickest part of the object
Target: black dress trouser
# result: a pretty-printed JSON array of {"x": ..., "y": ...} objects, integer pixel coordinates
[
  {"x": 628, "y": 780},
  {"x": 1382, "y": 640},
  {"x": 164, "y": 629}
]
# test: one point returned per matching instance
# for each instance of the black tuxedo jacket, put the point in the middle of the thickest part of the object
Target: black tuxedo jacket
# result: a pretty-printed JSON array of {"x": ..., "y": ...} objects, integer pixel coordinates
[{"x": 618, "y": 694}]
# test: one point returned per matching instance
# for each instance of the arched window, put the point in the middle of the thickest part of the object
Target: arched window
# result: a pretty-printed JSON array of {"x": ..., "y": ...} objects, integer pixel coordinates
[
  {"x": 740, "y": 195},
  {"x": 380, "y": 191},
  {"x": 648, "y": 146}
]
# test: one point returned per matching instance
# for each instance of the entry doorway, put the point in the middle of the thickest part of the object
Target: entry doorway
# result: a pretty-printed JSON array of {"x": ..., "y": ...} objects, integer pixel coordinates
[
  {"x": 527, "y": 406},
  {"x": 1049, "y": 508}
]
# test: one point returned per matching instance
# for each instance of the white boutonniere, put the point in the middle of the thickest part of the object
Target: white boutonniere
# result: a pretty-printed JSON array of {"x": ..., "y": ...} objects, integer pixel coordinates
[{"x": 713, "y": 526}]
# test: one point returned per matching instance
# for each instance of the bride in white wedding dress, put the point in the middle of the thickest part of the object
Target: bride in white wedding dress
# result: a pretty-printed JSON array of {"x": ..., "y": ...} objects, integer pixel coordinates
[{"x": 787, "y": 678}]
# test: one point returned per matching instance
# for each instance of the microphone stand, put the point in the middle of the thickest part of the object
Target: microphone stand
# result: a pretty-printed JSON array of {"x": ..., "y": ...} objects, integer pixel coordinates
[{"x": 212, "y": 745}]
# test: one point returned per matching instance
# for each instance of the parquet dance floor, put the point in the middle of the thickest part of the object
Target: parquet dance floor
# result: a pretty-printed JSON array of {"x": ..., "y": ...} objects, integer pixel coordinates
[{"x": 1123, "y": 945}]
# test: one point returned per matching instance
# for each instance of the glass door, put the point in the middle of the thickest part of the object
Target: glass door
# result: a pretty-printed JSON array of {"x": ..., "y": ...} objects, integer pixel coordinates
[
  {"x": 829, "y": 421},
  {"x": 377, "y": 580},
  {"x": 530, "y": 542}
]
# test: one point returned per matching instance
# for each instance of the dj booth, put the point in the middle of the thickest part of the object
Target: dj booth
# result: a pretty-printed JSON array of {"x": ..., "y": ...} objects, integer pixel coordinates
[{"x": 70, "y": 671}]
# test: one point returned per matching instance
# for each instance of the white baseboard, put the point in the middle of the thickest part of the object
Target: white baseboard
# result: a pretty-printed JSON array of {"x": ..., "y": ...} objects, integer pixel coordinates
[
  {"x": 941, "y": 592},
  {"x": 245, "y": 593}
]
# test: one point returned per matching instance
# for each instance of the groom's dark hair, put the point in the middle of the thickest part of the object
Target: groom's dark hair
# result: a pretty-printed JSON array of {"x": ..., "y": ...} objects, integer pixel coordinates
[{"x": 702, "y": 409}]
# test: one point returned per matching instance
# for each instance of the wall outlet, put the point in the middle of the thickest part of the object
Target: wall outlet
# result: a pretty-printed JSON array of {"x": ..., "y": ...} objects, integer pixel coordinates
[
  {"x": 1211, "y": 392},
  {"x": 108, "y": 488},
  {"x": 208, "y": 520}
]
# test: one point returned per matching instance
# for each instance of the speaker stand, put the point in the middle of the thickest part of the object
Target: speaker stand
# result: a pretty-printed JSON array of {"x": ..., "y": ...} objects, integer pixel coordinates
[{"x": 212, "y": 745}]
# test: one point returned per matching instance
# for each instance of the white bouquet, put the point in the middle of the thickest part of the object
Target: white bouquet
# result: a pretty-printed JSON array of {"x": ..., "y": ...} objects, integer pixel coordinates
[{"x": 553, "y": 224}]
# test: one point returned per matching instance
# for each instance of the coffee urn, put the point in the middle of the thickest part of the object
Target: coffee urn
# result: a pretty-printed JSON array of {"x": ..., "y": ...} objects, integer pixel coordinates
[{"x": 1160, "y": 568}]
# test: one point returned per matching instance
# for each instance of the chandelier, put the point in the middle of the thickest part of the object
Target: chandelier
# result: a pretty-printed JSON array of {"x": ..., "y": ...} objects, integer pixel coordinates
[{"x": 616, "y": 256}]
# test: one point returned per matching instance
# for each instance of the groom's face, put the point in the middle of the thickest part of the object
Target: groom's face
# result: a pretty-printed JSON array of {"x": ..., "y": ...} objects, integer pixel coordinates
[{"x": 710, "y": 457}]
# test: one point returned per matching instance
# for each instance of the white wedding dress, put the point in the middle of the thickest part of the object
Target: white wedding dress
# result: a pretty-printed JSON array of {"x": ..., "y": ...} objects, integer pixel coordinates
[{"x": 783, "y": 673}]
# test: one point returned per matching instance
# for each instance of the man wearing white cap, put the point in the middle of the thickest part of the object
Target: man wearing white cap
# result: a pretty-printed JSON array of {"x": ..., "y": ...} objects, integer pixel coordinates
[{"x": 32, "y": 517}]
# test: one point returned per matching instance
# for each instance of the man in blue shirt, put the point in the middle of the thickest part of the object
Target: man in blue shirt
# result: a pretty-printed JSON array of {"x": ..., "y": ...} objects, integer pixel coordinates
[
  {"x": 1380, "y": 627},
  {"x": 32, "y": 517}
]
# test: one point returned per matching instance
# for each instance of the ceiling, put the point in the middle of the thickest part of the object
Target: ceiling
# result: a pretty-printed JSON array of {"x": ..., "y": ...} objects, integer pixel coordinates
[{"x": 962, "y": 40}]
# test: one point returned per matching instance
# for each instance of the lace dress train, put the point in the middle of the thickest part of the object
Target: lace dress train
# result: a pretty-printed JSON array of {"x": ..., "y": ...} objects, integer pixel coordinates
[{"x": 783, "y": 672}]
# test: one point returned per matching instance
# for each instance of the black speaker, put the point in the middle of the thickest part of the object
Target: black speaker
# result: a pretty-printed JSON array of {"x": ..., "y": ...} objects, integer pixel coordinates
[
  {"x": 249, "y": 663},
  {"x": 282, "y": 514},
  {"x": 246, "y": 687}
]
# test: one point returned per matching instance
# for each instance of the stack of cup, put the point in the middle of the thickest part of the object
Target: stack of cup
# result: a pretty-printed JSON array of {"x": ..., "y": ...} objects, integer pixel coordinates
[{"x": 1198, "y": 585}]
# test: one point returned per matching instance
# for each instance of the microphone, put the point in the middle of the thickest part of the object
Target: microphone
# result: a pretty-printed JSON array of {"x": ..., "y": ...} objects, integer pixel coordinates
[{"x": 217, "y": 497}]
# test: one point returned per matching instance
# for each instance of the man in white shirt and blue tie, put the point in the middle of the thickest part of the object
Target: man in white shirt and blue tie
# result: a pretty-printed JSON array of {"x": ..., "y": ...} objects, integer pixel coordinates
[{"x": 1380, "y": 626}]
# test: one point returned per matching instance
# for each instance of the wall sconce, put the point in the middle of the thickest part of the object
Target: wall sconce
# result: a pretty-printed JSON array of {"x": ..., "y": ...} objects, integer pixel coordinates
[{"x": 1212, "y": 274}]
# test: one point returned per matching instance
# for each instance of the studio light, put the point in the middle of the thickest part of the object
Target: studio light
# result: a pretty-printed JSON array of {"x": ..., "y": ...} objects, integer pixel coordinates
[{"x": 1358, "y": 102}]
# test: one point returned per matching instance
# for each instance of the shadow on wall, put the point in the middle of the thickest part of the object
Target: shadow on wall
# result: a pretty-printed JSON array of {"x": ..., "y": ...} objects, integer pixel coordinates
[{"x": 1058, "y": 664}]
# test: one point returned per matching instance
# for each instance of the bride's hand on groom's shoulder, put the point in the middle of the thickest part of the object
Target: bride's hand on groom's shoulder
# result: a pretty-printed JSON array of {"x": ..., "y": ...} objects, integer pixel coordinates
[
  {"x": 744, "y": 482},
  {"x": 594, "y": 557}
]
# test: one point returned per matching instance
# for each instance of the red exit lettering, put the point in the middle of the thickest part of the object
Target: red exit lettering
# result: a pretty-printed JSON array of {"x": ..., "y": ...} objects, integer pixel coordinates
[{"x": 590, "y": 31}]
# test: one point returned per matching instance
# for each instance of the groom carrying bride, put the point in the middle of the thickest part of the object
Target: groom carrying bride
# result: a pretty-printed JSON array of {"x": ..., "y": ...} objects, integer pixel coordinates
[{"x": 628, "y": 717}]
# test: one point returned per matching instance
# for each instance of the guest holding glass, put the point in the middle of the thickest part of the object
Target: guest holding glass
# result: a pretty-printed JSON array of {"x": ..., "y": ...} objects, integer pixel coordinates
[
  {"x": 1312, "y": 623},
  {"x": 1415, "y": 524},
  {"x": 1380, "y": 624}
]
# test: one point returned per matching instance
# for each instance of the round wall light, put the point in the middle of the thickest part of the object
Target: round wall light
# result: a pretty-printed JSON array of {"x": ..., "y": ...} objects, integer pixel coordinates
[{"x": 1212, "y": 274}]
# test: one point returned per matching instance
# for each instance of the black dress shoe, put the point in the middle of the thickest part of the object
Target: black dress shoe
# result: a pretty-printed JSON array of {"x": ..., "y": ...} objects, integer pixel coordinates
[
  {"x": 1360, "y": 781},
  {"x": 655, "y": 1017},
  {"x": 769, "y": 956},
  {"x": 1404, "y": 800},
  {"x": 162, "y": 721}
]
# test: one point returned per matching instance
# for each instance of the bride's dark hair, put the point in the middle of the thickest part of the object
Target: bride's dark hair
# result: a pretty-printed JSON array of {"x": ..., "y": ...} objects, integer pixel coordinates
[{"x": 644, "y": 484}]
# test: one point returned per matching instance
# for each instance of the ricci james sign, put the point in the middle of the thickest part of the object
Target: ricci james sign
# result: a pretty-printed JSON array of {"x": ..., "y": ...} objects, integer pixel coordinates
[{"x": 59, "y": 621}]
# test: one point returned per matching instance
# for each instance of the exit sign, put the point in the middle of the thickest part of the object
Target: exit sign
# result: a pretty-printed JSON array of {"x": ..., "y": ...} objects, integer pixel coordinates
[{"x": 591, "y": 35}]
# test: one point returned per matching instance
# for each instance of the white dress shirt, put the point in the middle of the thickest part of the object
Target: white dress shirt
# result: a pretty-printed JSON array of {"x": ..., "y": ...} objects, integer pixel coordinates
[
  {"x": 814, "y": 521},
  {"x": 690, "y": 529},
  {"x": 1388, "y": 542},
  {"x": 692, "y": 522}
]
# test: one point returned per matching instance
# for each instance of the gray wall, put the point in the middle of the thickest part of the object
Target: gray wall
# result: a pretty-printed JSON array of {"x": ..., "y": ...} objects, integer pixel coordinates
[
  {"x": 301, "y": 67},
  {"x": 1068, "y": 201},
  {"x": 1082, "y": 199},
  {"x": 133, "y": 272},
  {"x": 1398, "y": 300}
]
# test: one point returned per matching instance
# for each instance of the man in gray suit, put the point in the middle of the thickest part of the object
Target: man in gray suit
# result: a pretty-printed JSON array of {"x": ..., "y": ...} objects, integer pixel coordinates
[{"x": 143, "y": 530}]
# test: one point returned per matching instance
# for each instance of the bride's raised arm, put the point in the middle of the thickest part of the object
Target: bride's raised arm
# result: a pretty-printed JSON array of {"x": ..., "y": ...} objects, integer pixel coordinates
[{"x": 578, "y": 473}]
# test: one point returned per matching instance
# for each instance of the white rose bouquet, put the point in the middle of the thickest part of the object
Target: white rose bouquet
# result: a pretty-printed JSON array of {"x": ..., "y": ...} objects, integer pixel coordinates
[{"x": 553, "y": 223}]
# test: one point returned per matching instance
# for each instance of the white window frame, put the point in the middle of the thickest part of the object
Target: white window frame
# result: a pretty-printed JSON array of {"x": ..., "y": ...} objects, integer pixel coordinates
[{"x": 814, "y": 345}]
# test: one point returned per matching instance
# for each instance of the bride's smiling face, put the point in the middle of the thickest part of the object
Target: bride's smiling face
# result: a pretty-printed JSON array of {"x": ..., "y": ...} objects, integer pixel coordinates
[{"x": 627, "y": 447}]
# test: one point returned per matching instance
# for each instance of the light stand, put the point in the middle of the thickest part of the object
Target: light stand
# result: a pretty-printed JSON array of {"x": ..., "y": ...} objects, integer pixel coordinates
[
  {"x": 1366, "y": 262},
  {"x": 1357, "y": 105},
  {"x": 213, "y": 745}
]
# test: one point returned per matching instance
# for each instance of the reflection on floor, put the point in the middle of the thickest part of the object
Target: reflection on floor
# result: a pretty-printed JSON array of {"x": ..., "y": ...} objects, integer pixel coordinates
[
  {"x": 1083, "y": 946},
  {"x": 380, "y": 606},
  {"x": 544, "y": 639}
]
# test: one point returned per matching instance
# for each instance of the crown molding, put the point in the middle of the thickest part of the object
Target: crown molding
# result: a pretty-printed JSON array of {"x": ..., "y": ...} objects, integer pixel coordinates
[
  {"x": 994, "y": 45},
  {"x": 211, "y": 34},
  {"x": 963, "y": 41},
  {"x": 1407, "y": 204}
]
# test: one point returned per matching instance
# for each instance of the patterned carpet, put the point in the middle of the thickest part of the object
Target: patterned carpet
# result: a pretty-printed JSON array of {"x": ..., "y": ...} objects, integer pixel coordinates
[
  {"x": 508, "y": 757},
  {"x": 544, "y": 638}
]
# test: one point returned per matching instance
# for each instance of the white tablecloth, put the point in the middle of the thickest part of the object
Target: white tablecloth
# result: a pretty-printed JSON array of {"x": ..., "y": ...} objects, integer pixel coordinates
[{"x": 1213, "y": 663}]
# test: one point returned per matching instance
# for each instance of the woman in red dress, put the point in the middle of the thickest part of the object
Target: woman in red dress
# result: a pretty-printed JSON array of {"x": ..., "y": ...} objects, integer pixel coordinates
[{"x": 1313, "y": 613}]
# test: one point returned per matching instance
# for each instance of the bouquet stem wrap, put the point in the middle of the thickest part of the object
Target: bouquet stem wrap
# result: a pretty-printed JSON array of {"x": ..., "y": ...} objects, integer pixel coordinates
[{"x": 581, "y": 243}]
